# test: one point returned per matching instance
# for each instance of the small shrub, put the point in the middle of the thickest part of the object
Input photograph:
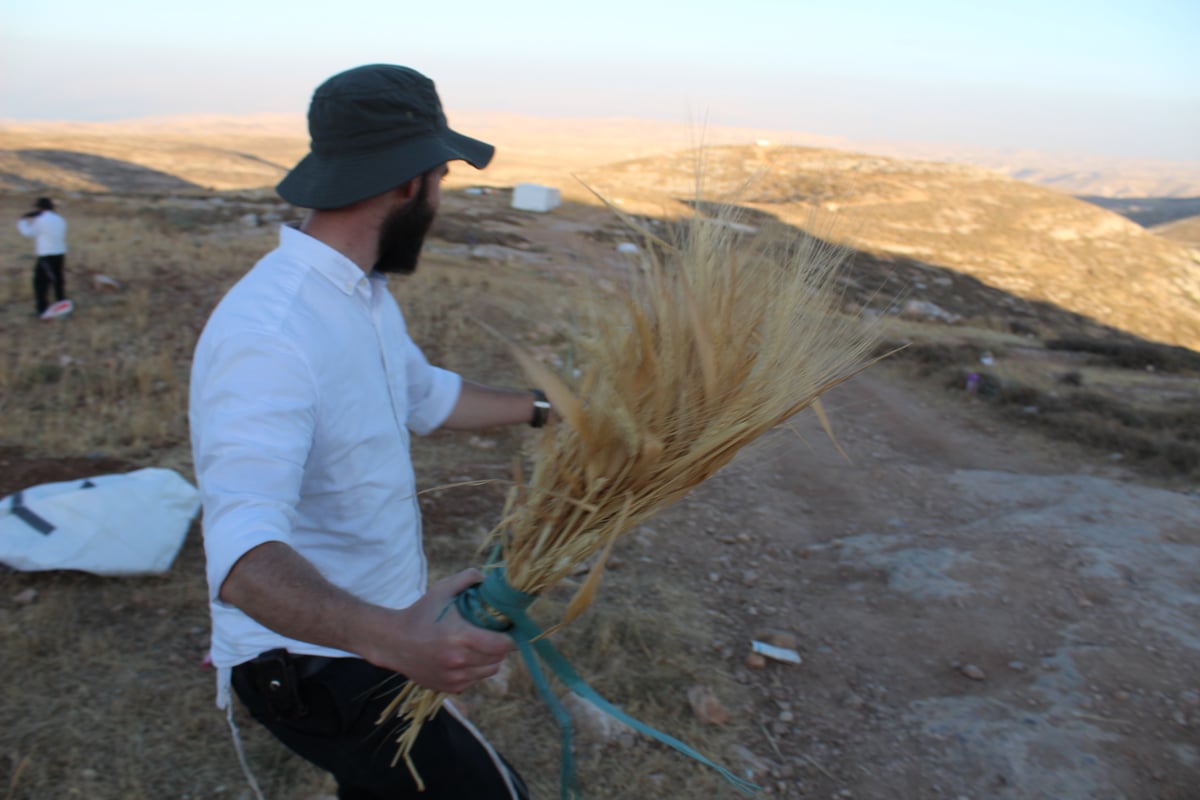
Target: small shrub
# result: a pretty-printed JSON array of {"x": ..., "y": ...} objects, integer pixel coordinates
[
  {"x": 931, "y": 356},
  {"x": 1020, "y": 395},
  {"x": 43, "y": 374},
  {"x": 1133, "y": 354},
  {"x": 1072, "y": 378},
  {"x": 1182, "y": 457}
]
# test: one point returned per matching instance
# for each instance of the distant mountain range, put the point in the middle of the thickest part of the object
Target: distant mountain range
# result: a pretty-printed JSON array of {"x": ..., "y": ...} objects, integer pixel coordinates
[{"x": 574, "y": 143}]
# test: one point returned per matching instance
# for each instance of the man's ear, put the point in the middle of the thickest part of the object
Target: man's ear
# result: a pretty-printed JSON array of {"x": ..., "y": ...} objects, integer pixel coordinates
[{"x": 408, "y": 190}]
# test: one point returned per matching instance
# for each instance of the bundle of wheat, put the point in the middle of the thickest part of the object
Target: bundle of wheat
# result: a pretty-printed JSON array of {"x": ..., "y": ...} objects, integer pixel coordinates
[{"x": 718, "y": 337}]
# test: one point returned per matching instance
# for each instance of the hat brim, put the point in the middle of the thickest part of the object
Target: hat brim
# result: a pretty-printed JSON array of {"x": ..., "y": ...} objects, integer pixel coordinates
[{"x": 337, "y": 182}]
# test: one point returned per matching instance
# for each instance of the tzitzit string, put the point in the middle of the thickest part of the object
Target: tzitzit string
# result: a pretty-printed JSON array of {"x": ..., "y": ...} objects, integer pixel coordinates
[{"x": 497, "y": 606}]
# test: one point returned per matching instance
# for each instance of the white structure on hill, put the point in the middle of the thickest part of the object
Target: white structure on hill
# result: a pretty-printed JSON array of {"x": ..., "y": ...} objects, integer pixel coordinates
[{"x": 532, "y": 197}]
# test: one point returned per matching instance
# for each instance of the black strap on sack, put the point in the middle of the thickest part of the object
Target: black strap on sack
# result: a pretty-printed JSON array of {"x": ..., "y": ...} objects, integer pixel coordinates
[{"x": 29, "y": 517}]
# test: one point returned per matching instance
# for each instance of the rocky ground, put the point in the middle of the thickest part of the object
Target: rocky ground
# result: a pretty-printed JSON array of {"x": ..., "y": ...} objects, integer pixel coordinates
[{"x": 979, "y": 614}]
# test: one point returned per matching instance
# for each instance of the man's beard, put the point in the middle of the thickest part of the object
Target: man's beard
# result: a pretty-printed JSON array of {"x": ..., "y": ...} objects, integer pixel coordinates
[{"x": 403, "y": 234}]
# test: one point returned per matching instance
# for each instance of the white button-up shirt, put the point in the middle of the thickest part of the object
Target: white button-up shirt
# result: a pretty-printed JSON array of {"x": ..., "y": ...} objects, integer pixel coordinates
[
  {"x": 48, "y": 231},
  {"x": 305, "y": 386}
]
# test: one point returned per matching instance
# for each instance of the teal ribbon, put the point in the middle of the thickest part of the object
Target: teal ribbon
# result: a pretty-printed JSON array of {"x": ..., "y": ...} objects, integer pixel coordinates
[{"x": 497, "y": 606}]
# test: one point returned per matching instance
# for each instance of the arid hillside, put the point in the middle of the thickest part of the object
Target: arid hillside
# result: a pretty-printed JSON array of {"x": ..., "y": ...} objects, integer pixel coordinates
[
  {"x": 164, "y": 156},
  {"x": 1032, "y": 242},
  {"x": 1186, "y": 231}
]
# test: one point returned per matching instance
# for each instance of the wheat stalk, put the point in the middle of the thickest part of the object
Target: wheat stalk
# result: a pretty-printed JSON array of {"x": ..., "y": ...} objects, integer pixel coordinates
[{"x": 715, "y": 339}]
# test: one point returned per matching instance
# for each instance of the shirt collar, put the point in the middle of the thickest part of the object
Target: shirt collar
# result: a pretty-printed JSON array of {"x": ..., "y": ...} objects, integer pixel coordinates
[{"x": 335, "y": 267}]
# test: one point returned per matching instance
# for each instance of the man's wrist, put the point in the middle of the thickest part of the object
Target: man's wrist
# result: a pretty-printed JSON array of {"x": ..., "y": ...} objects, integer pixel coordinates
[{"x": 541, "y": 409}]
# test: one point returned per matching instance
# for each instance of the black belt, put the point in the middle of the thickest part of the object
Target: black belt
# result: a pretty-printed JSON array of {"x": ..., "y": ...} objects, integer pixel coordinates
[
  {"x": 307, "y": 666},
  {"x": 276, "y": 676},
  {"x": 302, "y": 666}
]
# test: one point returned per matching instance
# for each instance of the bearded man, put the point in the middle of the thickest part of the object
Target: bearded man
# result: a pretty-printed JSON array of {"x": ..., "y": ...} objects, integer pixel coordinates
[{"x": 305, "y": 390}]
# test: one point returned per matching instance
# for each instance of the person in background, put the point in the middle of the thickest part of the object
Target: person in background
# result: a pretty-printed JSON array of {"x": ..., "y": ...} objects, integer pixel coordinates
[
  {"x": 305, "y": 390},
  {"x": 49, "y": 232}
]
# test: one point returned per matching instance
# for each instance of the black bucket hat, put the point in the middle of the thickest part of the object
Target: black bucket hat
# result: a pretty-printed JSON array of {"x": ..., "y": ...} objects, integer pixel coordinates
[{"x": 373, "y": 128}]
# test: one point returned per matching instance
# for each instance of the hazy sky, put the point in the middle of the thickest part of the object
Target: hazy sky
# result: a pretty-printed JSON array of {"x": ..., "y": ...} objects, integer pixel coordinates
[{"x": 1087, "y": 76}]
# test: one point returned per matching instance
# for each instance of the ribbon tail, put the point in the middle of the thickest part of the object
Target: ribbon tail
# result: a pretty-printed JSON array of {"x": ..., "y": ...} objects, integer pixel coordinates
[
  {"x": 567, "y": 770},
  {"x": 563, "y": 670},
  {"x": 495, "y": 594}
]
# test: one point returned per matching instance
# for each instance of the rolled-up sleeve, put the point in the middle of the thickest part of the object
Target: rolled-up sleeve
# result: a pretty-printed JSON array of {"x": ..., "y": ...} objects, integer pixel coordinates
[
  {"x": 432, "y": 391},
  {"x": 252, "y": 415}
]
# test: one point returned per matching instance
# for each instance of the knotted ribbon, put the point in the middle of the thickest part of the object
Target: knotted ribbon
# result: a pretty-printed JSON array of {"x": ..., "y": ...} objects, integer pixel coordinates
[{"x": 497, "y": 606}]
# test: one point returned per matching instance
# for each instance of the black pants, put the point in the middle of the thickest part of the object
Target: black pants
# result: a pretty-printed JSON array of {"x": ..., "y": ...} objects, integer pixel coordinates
[
  {"x": 48, "y": 270},
  {"x": 324, "y": 709}
]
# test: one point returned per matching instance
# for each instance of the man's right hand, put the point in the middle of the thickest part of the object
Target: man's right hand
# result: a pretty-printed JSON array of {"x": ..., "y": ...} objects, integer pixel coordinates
[{"x": 431, "y": 644}]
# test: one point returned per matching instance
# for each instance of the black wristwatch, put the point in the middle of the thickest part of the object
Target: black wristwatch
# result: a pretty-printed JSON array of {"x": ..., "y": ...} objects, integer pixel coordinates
[{"x": 541, "y": 409}]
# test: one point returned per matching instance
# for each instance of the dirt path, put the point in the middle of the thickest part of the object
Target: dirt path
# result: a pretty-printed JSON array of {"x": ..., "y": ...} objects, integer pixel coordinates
[{"x": 979, "y": 615}]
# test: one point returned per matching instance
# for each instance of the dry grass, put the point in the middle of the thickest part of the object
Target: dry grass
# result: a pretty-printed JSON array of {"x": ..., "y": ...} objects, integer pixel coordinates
[{"x": 111, "y": 702}]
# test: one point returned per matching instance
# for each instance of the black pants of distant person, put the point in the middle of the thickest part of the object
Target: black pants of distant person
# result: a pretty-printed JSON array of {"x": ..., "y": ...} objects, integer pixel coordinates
[
  {"x": 324, "y": 709},
  {"x": 48, "y": 270}
]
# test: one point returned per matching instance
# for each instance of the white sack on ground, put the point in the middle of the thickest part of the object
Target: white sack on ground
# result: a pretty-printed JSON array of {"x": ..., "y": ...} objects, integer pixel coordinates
[{"x": 126, "y": 524}]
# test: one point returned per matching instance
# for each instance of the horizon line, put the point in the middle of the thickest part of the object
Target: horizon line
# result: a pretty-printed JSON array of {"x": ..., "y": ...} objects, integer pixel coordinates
[{"x": 830, "y": 141}]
